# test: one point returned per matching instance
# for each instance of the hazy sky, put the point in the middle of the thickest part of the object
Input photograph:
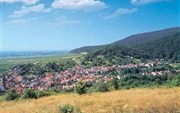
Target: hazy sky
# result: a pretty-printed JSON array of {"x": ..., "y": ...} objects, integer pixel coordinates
[{"x": 68, "y": 24}]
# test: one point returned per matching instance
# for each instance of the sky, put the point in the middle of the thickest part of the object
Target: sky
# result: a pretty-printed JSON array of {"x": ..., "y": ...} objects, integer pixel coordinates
[{"x": 67, "y": 24}]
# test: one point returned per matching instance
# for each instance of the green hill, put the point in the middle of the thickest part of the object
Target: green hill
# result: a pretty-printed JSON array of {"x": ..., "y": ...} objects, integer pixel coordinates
[
  {"x": 148, "y": 37},
  {"x": 134, "y": 39},
  {"x": 167, "y": 48},
  {"x": 87, "y": 49},
  {"x": 163, "y": 44}
]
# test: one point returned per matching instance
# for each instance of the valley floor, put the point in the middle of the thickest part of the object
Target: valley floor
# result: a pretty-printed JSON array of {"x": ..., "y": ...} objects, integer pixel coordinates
[{"x": 160, "y": 100}]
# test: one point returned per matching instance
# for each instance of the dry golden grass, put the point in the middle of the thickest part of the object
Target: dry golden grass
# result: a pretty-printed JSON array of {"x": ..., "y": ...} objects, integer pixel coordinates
[{"x": 124, "y": 101}]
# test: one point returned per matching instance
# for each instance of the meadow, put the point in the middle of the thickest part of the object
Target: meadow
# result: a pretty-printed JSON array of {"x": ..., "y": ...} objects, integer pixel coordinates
[
  {"x": 7, "y": 63},
  {"x": 159, "y": 100}
]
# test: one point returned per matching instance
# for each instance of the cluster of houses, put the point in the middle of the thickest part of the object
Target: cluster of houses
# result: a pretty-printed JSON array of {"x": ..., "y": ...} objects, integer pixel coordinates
[
  {"x": 60, "y": 80},
  {"x": 67, "y": 79}
]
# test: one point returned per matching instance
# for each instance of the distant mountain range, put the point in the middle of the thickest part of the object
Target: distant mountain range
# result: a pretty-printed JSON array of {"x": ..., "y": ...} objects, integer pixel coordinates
[{"x": 163, "y": 44}]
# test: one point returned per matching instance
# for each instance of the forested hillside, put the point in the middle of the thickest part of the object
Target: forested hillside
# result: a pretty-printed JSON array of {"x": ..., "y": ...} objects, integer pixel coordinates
[
  {"x": 166, "y": 48},
  {"x": 163, "y": 44},
  {"x": 134, "y": 39},
  {"x": 148, "y": 37},
  {"x": 88, "y": 49}
]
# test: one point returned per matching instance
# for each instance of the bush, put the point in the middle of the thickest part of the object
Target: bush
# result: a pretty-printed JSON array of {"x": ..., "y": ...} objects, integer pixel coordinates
[
  {"x": 66, "y": 109},
  {"x": 11, "y": 95},
  {"x": 30, "y": 94},
  {"x": 103, "y": 87},
  {"x": 42, "y": 94},
  {"x": 69, "y": 109},
  {"x": 81, "y": 88},
  {"x": 115, "y": 83},
  {"x": 175, "y": 80},
  {"x": 92, "y": 89}
]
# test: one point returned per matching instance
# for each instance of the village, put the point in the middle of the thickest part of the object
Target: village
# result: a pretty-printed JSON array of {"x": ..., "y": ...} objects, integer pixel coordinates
[{"x": 67, "y": 79}]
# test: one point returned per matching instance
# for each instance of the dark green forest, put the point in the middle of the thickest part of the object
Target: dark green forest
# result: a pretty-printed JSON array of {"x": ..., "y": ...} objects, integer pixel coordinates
[{"x": 163, "y": 44}]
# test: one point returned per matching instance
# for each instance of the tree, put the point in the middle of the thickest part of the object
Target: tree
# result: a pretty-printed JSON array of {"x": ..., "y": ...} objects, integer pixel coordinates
[
  {"x": 11, "y": 95},
  {"x": 102, "y": 87},
  {"x": 80, "y": 88},
  {"x": 30, "y": 94},
  {"x": 115, "y": 83}
]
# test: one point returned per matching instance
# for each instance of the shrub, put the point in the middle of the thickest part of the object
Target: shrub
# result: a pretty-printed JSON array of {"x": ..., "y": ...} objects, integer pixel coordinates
[
  {"x": 42, "y": 94},
  {"x": 11, "y": 95},
  {"x": 81, "y": 88},
  {"x": 115, "y": 83},
  {"x": 103, "y": 87},
  {"x": 175, "y": 80},
  {"x": 69, "y": 109},
  {"x": 66, "y": 108},
  {"x": 92, "y": 89},
  {"x": 30, "y": 94}
]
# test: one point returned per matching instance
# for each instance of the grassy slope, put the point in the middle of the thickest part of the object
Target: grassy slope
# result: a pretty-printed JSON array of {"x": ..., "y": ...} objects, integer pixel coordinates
[
  {"x": 7, "y": 63},
  {"x": 134, "y": 100}
]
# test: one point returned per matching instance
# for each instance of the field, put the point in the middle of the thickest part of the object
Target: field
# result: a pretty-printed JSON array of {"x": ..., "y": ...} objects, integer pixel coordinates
[
  {"x": 5, "y": 64},
  {"x": 123, "y": 101}
]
